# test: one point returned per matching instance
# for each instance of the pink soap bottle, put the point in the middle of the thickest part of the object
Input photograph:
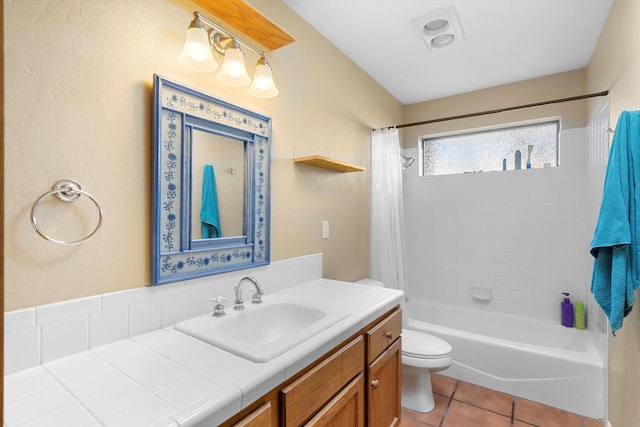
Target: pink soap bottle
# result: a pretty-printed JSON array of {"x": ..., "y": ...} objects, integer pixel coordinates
[{"x": 566, "y": 311}]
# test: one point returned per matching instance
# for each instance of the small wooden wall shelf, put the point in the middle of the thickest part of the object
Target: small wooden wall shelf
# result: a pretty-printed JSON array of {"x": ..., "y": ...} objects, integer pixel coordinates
[
  {"x": 250, "y": 21},
  {"x": 327, "y": 163}
]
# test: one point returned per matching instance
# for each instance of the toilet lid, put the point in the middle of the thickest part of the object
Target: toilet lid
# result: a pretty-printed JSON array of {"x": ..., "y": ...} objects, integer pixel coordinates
[{"x": 424, "y": 346}]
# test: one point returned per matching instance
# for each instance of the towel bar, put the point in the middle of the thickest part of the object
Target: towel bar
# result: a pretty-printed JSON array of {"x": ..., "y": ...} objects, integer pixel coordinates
[{"x": 66, "y": 190}]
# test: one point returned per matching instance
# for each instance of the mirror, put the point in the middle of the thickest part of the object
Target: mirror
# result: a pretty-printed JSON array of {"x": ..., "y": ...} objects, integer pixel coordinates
[
  {"x": 210, "y": 185},
  {"x": 224, "y": 159}
]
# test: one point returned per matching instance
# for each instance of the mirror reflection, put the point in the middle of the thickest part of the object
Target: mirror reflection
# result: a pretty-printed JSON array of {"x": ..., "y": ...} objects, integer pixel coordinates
[{"x": 218, "y": 183}]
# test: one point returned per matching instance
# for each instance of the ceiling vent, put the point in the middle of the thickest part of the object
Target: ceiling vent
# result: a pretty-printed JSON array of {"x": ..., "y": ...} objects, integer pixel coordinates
[{"x": 439, "y": 29}]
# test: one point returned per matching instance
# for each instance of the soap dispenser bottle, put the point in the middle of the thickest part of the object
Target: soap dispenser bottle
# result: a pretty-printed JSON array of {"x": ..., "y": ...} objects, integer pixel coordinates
[
  {"x": 579, "y": 313},
  {"x": 566, "y": 311}
]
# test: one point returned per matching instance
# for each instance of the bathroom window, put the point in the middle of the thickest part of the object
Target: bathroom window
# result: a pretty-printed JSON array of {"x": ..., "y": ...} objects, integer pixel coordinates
[{"x": 492, "y": 150}]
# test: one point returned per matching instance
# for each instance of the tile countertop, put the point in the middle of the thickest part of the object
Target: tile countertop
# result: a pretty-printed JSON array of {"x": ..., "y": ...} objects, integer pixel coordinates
[{"x": 165, "y": 378}]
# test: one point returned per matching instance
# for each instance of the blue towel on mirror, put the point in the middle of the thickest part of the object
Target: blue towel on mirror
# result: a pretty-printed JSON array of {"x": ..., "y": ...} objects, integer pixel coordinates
[
  {"x": 209, "y": 214},
  {"x": 615, "y": 242}
]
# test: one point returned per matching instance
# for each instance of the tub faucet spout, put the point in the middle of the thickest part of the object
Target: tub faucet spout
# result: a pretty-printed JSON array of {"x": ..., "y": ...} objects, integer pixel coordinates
[{"x": 257, "y": 296}]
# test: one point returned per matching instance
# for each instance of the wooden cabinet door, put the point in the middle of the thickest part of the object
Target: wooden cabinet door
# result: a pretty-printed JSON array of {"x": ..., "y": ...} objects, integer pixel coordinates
[
  {"x": 384, "y": 388},
  {"x": 261, "y": 417},
  {"x": 344, "y": 410},
  {"x": 309, "y": 393}
]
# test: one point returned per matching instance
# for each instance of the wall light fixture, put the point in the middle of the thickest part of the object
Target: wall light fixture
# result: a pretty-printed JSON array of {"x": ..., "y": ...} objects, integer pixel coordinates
[{"x": 201, "y": 45}]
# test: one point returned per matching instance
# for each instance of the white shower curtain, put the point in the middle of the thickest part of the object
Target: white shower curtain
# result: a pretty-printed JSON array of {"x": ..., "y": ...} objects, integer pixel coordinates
[{"x": 387, "y": 213}]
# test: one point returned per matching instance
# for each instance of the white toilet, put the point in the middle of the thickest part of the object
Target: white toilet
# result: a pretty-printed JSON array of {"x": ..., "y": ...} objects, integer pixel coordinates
[{"x": 422, "y": 354}]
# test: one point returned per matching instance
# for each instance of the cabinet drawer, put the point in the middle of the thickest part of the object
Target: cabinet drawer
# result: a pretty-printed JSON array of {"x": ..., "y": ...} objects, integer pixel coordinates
[
  {"x": 302, "y": 398},
  {"x": 384, "y": 333},
  {"x": 344, "y": 410}
]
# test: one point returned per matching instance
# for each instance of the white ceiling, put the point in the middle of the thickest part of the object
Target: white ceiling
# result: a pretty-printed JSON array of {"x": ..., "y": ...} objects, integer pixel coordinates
[{"x": 505, "y": 41}]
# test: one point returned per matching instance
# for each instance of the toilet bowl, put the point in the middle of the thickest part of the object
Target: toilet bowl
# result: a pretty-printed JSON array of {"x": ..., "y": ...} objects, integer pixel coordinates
[{"x": 422, "y": 354}]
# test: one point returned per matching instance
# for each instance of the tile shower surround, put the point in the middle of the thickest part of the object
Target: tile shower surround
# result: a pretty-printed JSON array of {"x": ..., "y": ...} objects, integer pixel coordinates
[
  {"x": 524, "y": 234},
  {"x": 41, "y": 334}
]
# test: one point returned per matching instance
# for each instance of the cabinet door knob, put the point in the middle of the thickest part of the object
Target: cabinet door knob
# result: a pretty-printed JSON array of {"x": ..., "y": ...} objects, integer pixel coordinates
[
  {"x": 389, "y": 334},
  {"x": 374, "y": 384}
]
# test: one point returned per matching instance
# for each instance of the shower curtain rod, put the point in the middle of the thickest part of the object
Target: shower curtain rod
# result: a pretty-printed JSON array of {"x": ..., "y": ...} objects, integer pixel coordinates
[{"x": 501, "y": 110}]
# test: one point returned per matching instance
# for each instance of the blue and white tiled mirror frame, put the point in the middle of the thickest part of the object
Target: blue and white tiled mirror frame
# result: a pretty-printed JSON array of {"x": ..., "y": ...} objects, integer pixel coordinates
[{"x": 178, "y": 111}]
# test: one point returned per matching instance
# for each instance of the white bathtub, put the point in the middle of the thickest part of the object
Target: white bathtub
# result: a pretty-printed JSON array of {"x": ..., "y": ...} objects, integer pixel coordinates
[{"x": 538, "y": 361}]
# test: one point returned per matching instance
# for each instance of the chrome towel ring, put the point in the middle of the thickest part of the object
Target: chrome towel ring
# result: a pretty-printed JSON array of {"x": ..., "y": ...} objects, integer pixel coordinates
[{"x": 66, "y": 190}]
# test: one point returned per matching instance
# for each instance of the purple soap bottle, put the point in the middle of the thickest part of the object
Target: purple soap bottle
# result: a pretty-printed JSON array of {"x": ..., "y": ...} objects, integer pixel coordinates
[{"x": 566, "y": 311}]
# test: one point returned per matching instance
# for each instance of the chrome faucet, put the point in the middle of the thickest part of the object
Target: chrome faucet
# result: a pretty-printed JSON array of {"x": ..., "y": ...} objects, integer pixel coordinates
[{"x": 257, "y": 296}]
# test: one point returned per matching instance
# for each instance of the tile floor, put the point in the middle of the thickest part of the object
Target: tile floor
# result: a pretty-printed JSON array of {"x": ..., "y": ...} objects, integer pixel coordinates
[{"x": 461, "y": 404}]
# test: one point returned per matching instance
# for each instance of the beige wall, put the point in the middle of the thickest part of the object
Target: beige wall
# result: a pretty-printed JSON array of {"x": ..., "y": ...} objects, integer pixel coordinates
[
  {"x": 563, "y": 85},
  {"x": 78, "y": 77},
  {"x": 78, "y": 105},
  {"x": 615, "y": 65}
]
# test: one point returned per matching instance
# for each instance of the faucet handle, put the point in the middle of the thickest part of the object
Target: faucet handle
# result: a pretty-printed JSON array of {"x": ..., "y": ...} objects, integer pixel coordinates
[
  {"x": 257, "y": 297},
  {"x": 218, "y": 308}
]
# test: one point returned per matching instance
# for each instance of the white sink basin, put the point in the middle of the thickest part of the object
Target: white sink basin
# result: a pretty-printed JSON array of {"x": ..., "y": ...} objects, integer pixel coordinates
[{"x": 261, "y": 332}]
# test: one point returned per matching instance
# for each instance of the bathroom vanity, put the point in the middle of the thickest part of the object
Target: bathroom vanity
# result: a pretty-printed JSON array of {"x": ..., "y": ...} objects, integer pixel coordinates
[
  {"x": 355, "y": 384},
  {"x": 345, "y": 373}
]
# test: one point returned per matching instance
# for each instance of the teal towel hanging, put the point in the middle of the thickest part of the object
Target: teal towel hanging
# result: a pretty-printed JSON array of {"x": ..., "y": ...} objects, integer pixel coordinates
[
  {"x": 615, "y": 244},
  {"x": 209, "y": 213}
]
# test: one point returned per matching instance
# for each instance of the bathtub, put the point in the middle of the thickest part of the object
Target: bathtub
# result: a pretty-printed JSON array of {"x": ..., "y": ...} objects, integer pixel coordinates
[{"x": 543, "y": 362}]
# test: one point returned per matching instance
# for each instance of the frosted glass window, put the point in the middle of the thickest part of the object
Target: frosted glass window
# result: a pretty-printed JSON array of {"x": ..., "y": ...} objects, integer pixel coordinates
[{"x": 488, "y": 150}]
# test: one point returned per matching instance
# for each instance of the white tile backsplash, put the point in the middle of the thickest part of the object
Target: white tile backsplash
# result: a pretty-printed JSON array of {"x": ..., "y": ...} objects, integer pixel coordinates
[
  {"x": 19, "y": 319},
  {"x": 200, "y": 299},
  {"x": 21, "y": 349},
  {"x": 108, "y": 326},
  {"x": 65, "y": 337},
  {"x": 46, "y": 333},
  {"x": 293, "y": 271},
  {"x": 145, "y": 316},
  {"x": 67, "y": 309},
  {"x": 175, "y": 307},
  {"x": 126, "y": 298}
]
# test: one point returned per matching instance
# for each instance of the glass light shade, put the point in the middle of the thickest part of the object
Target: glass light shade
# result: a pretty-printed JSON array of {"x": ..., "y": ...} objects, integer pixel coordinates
[
  {"x": 196, "y": 54},
  {"x": 233, "y": 71},
  {"x": 263, "y": 85}
]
